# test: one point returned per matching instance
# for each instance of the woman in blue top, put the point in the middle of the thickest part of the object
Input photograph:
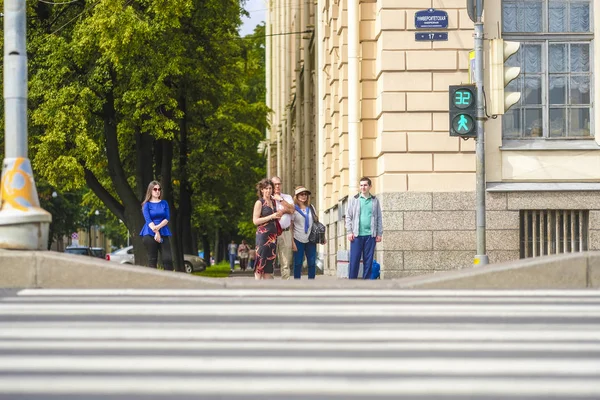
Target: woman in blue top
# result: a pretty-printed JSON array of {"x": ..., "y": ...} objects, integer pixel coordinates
[{"x": 155, "y": 233}]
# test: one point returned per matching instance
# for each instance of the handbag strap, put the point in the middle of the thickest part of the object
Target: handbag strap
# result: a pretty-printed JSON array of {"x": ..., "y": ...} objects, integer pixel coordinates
[{"x": 314, "y": 213}]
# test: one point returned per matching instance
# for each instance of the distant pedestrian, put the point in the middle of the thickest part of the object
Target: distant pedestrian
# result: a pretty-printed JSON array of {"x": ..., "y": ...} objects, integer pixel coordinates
[
  {"x": 285, "y": 205},
  {"x": 302, "y": 222},
  {"x": 232, "y": 253},
  {"x": 251, "y": 257},
  {"x": 243, "y": 254},
  {"x": 364, "y": 227},
  {"x": 264, "y": 216},
  {"x": 155, "y": 232}
]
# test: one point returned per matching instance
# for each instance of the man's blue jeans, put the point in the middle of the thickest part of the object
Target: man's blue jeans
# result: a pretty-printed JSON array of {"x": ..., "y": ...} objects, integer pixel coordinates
[
  {"x": 362, "y": 246},
  {"x": 310, "y": 249},
  {"x": 232, "y": 261}
]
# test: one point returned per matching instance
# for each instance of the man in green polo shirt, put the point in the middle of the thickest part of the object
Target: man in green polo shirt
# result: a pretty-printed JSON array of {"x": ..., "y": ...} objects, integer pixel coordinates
[{"x": 365, "y": 228}]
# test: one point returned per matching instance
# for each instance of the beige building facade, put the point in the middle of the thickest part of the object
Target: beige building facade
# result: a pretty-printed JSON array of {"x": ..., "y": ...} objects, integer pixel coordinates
[{"x": 354, "y": 94}]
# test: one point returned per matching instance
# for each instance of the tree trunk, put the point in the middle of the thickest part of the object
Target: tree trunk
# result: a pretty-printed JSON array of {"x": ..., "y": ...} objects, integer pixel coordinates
[
  {"x": 129, "y": 209},
  {"x": 184, "y": 219},
  {"x": 166, "y": 179},
  {"x": 143, "y": 165},
  {"x": 139, "y": 251},
  {"x": 206, "y": 248},
  {"x": 218, "y": 257},
  {"x": 194, "y": 241}
]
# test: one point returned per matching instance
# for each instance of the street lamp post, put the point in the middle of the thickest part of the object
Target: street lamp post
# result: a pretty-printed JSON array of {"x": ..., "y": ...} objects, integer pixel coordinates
[
  {"x": 93, "y": 217},
  {"x": 24, "y": 224}
]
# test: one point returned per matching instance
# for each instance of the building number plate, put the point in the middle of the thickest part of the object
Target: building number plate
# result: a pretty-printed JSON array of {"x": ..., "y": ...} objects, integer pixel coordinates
[{"x": 431, "y": 36}]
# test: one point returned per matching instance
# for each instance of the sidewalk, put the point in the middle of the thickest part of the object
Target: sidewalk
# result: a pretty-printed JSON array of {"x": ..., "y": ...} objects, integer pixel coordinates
[{"x": 239, "y": 274}]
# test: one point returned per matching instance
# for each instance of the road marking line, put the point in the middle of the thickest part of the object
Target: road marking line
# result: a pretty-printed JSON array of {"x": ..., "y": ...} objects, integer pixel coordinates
[
  {"x": 297, "y": 310},
  {"x": 289, "y": 300},
  {"x": 262, "y": 292},
  {"x": 277, "y": 365},
  {"x": 355, "y": 346},
  {"x": 299, "y": 386},
  {"x": 165, "y": 332}
]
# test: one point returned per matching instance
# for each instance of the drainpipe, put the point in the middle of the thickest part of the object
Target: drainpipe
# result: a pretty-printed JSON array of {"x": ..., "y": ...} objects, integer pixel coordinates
[
  {"x": 280, "y": 84},
  {"x": 319, "y": 164},
  {"x": 276, "y": 88},
  {"x": 269, "y": 94},
  {"x": 306, "y": 94},
  {"x": 288, "y": 90},
  {"x": 353, "y": 97},
  {"x": 298, "y": 130}
]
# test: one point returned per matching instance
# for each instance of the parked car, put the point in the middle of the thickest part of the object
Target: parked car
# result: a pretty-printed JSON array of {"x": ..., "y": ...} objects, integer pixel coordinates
[
  {"x": 98, "y": 252},
  {"x": 122, "y": 256},
  {"x": 193, "y": 263},
  {"x": 86, "y": 251},
  {"x": 125, "y": 255}
]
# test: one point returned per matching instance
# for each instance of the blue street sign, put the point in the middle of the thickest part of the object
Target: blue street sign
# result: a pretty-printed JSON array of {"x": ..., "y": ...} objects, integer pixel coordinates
[
  {"x": 431, "y": 19},
  {"x": 431, "y": 36}
]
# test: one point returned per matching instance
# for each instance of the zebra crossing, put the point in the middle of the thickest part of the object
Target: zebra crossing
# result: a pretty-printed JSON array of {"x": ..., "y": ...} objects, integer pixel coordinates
[{"x": 299, "y": 344}]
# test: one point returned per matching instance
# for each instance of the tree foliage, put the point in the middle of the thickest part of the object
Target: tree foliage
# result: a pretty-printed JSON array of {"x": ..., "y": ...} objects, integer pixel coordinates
[{"x": 126, "y": 91}]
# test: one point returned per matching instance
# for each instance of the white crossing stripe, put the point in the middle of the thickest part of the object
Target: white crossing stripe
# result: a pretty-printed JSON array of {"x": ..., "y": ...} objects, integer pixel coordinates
[
  {"x": 295, "y": 386},
  {"x": 367, "y": 347},
  {"x": 274, "y": 365},
  {"x": 238, "y": 293},
  {"x": 220, "y": 387},
  {"x": 228, "y": 332},
  {"x": 301, "y": 310},
  {"x": 317, "y": 344}
]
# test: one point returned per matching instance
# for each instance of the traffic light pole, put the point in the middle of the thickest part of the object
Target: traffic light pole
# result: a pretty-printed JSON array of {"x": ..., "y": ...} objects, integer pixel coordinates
[{"x": 481, "y": 257}]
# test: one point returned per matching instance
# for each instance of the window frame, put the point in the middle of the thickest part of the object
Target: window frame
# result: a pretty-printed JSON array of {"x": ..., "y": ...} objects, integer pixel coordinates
[{"x": 545, "y": 39}]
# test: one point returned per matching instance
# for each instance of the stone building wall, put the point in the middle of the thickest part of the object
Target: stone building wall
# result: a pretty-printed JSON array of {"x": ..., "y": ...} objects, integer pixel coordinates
[
  {"x": 435, "y": 231},
  {"x": 424, "y": 177}
]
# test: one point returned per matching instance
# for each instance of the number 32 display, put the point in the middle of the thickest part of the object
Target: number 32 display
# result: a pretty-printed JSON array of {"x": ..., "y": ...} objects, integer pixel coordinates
[{"x": 463, "y": 111}]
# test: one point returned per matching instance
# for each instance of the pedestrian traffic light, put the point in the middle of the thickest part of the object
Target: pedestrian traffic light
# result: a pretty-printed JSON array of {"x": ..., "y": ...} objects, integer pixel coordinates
[
  {"x": 463, "y": 111},
  {"x": 500, "y": 76}
]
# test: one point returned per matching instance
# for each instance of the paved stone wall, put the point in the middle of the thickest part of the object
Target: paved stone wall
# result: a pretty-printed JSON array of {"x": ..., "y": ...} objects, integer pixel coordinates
[{"x": 427, "y": 232}]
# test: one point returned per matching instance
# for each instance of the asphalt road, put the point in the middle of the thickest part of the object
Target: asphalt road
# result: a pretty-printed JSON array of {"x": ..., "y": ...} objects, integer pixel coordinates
[{"x": 299, "y": 344}]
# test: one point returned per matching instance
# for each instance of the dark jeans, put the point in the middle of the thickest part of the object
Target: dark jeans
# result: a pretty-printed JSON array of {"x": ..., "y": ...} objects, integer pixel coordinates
[
  {"x": 232, "y": 261},
  {"x": 361, "y": 246},
  {"x": 153, "y": 247},
  {"x": 310, "y": 249}
]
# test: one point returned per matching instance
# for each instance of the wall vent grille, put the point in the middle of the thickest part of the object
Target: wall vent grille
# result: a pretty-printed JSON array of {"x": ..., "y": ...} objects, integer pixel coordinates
[{"x": 545, "y": 232}]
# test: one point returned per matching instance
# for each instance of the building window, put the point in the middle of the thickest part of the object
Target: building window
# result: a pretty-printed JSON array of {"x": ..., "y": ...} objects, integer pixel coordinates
[
  {"x": 556, "y": 68},
  {"x": 545, "y": 232}
]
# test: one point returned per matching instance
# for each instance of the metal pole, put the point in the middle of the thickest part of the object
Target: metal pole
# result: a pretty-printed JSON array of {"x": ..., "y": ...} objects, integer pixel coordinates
[
  {"x": 23, "y": 224},
  {"x": 481, "y": 257}
]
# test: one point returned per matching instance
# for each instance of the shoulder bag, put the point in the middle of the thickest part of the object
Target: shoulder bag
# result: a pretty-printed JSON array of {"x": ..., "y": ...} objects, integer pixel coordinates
[{"x": 317, "y": 232}]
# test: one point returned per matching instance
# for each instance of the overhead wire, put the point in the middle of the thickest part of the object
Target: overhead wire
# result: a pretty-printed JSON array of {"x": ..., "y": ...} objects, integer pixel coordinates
[
  {"x": 89, "y": 7},
  {"x": 58, "y": 3},
  {"x": 93, "y": 5}
]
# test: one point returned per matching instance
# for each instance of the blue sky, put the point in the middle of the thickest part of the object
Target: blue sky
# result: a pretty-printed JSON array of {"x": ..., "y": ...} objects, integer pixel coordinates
[{"x": 258, "y": 11}]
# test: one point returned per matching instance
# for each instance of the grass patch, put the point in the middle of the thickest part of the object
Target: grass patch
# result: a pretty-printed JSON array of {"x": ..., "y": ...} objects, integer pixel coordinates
[{"x": 220, "y": 270}]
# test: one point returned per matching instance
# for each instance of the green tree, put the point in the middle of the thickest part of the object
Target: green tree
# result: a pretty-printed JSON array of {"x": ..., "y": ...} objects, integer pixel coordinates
[
  {"x": 230, "y": 167},
  {"x": 123, "y": 91},
  {"x": 67, "y": 213}
]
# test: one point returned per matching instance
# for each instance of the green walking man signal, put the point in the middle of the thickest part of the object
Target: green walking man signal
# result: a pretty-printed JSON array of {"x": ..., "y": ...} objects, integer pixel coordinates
[{"x": 463, "y": 111}]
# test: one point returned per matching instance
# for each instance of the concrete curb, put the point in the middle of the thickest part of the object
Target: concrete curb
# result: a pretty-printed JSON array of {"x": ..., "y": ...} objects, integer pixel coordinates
[
  {"x": 46, "y": 269},
  {"x": 564, "y": 271}
]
